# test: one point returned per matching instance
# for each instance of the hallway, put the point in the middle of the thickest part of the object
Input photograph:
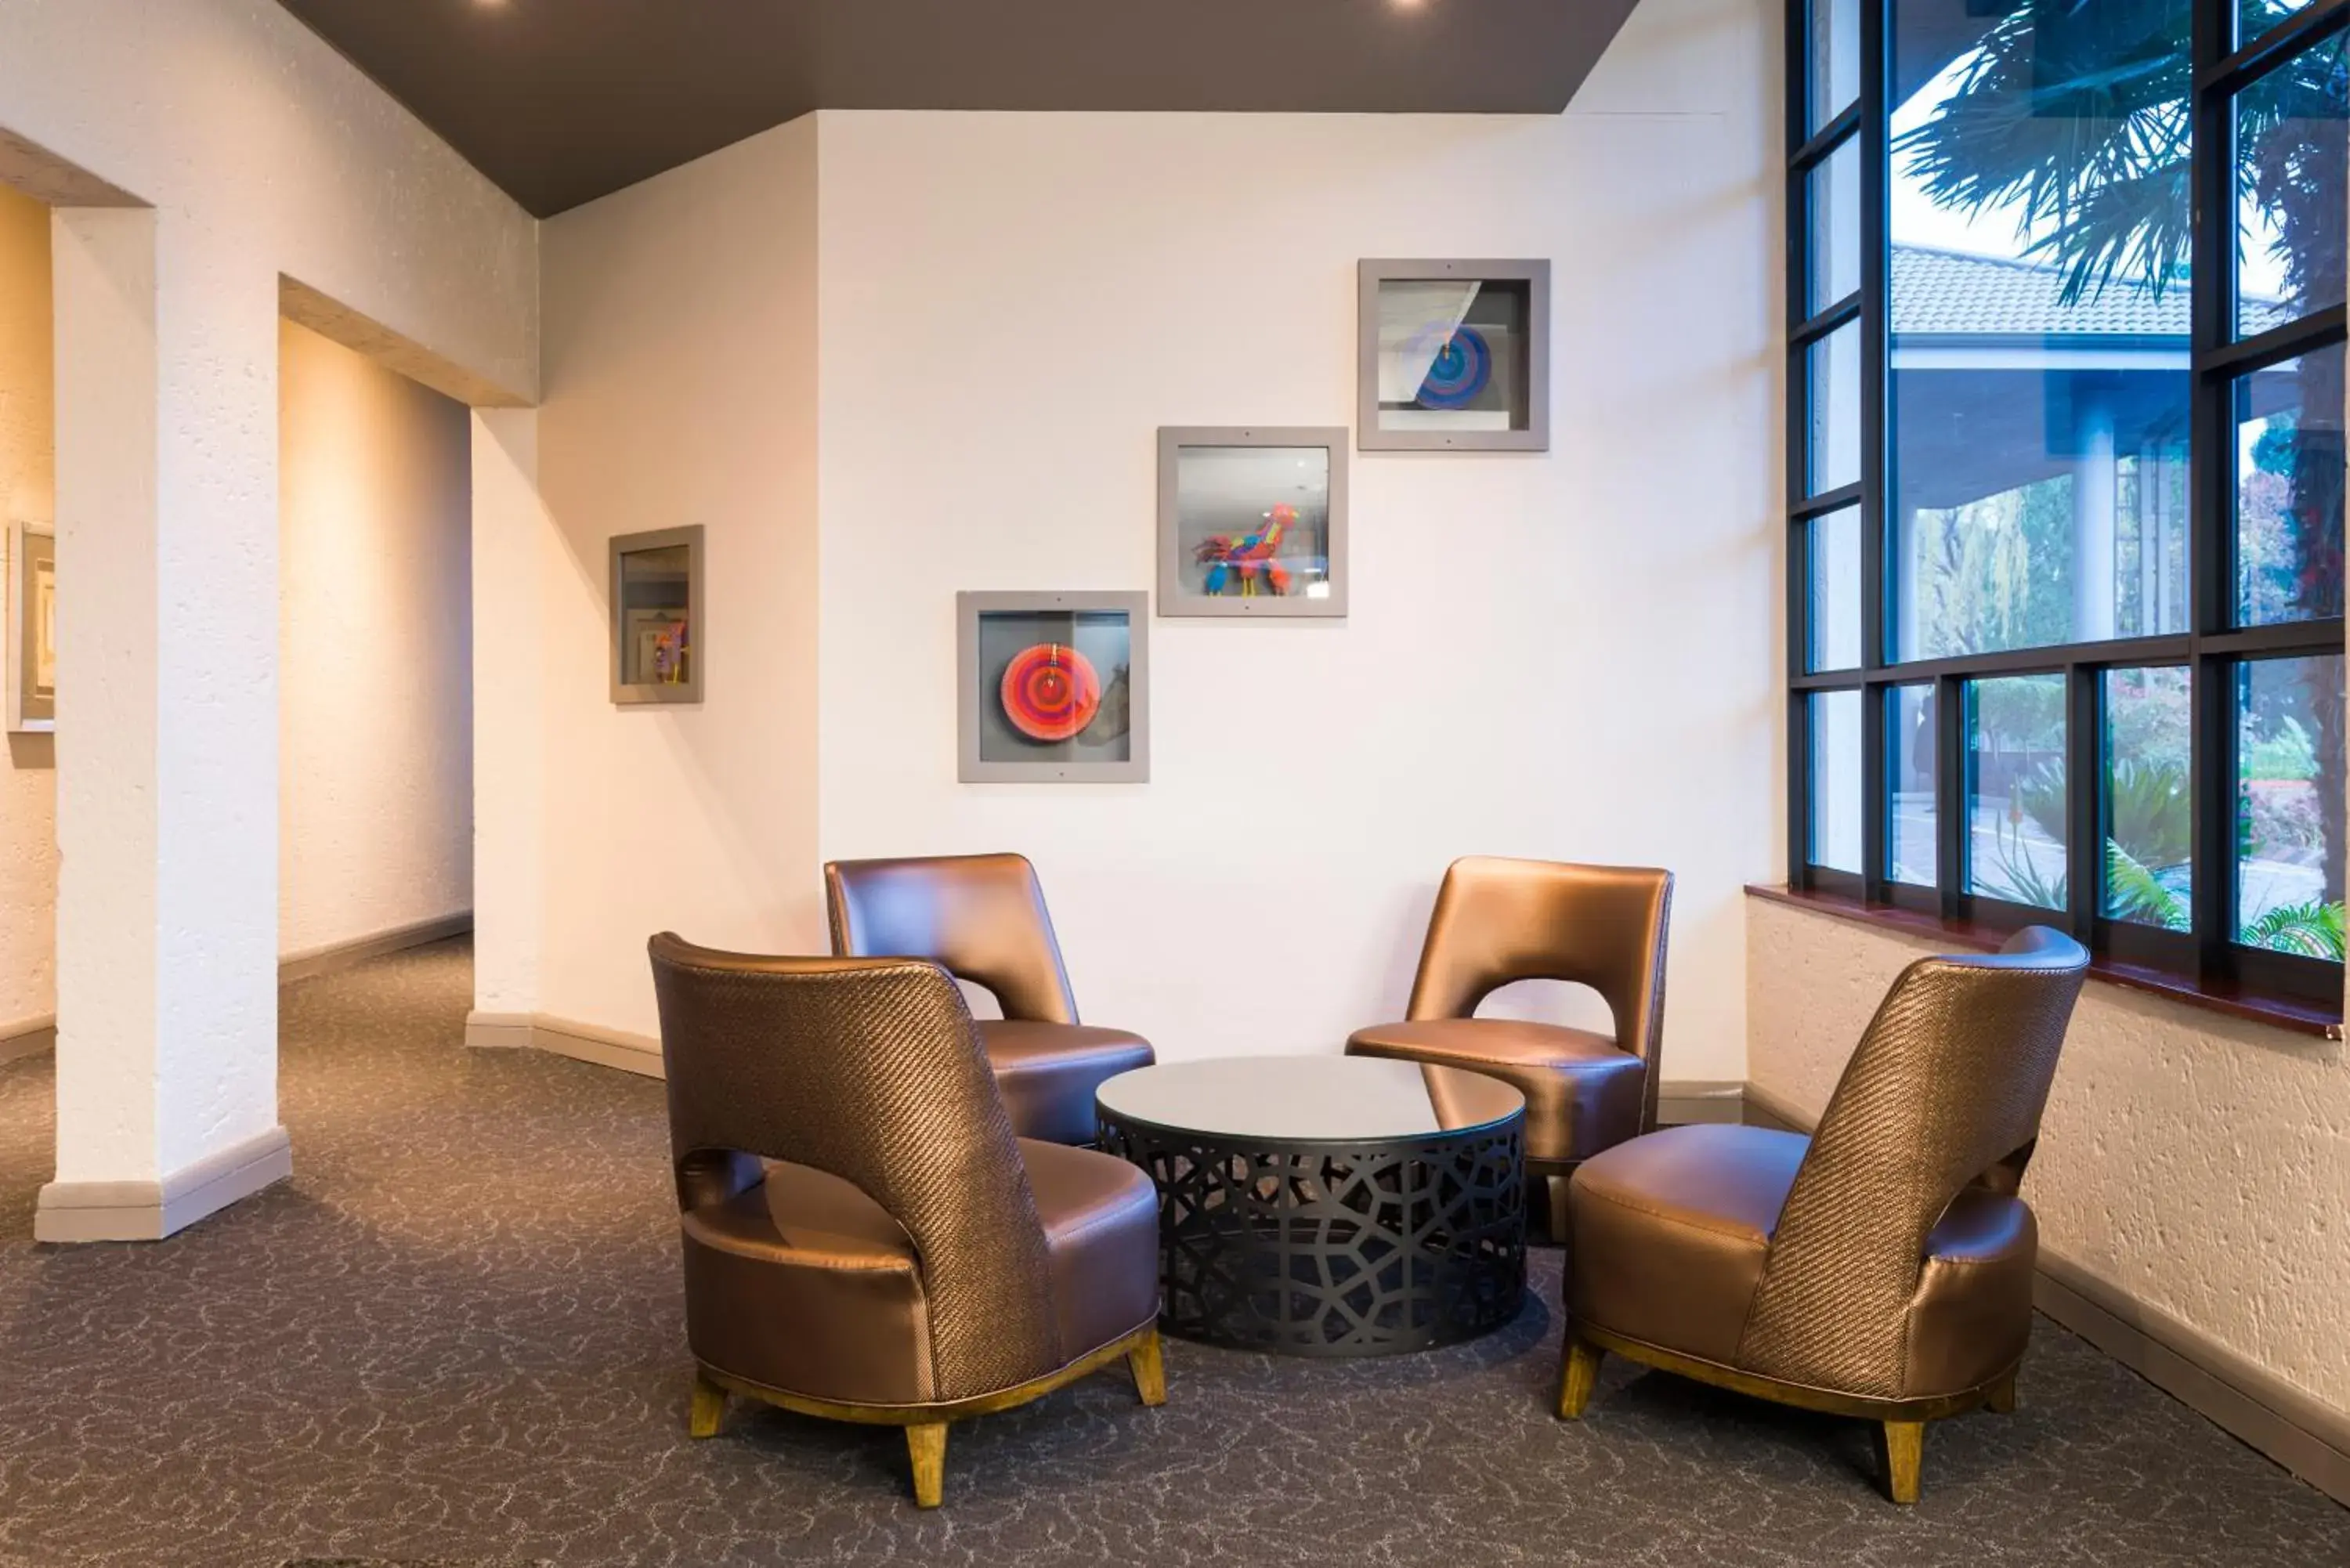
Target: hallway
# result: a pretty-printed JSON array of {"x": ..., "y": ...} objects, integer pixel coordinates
[{"x": 456, "y": 1337}]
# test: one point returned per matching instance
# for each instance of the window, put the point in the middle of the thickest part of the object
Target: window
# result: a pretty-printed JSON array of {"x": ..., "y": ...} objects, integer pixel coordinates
[{"x": 2066, "y": 470}]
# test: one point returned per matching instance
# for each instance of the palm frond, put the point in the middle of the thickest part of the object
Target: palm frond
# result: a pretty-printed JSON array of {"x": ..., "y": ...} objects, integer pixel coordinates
[{"x": 2314, "y": 929}]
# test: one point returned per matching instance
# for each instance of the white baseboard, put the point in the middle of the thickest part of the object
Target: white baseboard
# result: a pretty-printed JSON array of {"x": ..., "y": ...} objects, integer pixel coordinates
[
  {"x": 635, "y": 1053},
  {"x": 151, "y": 1210},
  {"x": 334, "y": 957},
  {"x": 1687, "y": 1100},
  {"x": 2304, "y": 1434},
  {"x": 33, "y": 1036},
  {"x": 27, "y": 1037}
]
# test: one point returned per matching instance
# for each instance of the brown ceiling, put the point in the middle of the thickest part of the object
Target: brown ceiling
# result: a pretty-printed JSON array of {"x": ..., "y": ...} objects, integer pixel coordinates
[{"x": 561, "y": 101}]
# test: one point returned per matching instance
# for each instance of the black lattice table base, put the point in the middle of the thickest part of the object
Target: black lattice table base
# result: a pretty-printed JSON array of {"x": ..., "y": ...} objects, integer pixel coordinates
[{"x": 1312, "y": 1250}]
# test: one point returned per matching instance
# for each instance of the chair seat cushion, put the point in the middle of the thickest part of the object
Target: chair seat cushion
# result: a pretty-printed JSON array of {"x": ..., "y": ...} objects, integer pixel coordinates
[
  {"x": 805, "y": 1285},
  {"x": 1583, "y": 1095},
  {"x": 1101, "y": 1227},
  {"x": 1672, "y": 1231},
  {"x": 1047, "y": 1072}
]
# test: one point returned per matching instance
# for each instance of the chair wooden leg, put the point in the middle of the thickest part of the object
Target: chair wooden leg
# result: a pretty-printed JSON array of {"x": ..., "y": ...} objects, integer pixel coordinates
[
  {"x": 2001, "y": 1400},
  {"x": 1905, "y": 1458},
  {"x": 1149, "y": 1370},
  {"x": 1578, "y": 1375},
  {"x": 1556, "y": 1185},
  {"x": 926, "y": 1445},
  {"x": 709, "y": 1408}
]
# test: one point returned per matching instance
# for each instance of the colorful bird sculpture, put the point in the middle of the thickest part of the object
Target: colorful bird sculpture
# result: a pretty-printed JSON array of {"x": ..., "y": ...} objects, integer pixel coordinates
[{"x": 1245, "y": 560}]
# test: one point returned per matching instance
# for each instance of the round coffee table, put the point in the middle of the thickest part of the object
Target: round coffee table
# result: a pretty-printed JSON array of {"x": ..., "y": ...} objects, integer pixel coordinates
[{"x": 1328, "y": 1205}]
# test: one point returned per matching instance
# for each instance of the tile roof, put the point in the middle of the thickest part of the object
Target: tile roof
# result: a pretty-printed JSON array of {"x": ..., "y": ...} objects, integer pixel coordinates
[{"x": 1950, "y": 291}]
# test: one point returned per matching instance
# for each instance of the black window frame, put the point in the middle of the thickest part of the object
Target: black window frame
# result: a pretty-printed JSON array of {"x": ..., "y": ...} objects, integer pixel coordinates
[{"x": 2212, "y": 648}]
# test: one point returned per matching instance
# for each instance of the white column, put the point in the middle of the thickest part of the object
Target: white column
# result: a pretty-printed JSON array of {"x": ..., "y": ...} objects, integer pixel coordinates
[
  {"x": 2097, "y": 484},
  {"x": 167, "y": 746}
]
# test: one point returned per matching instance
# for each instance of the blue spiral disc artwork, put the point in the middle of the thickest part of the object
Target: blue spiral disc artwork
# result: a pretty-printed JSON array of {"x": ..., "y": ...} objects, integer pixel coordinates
[{"x": 1459, "y": 372}]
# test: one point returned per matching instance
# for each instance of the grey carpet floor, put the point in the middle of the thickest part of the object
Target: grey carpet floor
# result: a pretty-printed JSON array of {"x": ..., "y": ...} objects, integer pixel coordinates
[{"x": 454, "y": 1338}]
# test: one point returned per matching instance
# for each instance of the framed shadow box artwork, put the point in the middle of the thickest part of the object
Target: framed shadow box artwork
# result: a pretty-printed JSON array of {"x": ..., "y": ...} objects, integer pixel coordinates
[
  {"x": 657, "y": 617},
  {"x": 1052, "y": 688},
  {"x": 32, "y": 627},
  {"x": 1252, "y": 521},
  {"x": 1454, "y": 355}
]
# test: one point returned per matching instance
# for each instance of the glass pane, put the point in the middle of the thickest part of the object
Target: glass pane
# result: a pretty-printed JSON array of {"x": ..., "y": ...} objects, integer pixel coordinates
[
  {"x": 655, "y": 641},
  {"x": 1055, "y": 686},
  {"x": 1912, "y": 744},
  {"x": 2149, "y": 804},
  {"x": 1836, "y": 590},
  {"x": 2292, "y": 132},
  {"x": 2257, "y": 17},
  {"x": 2015, "y": 789},
  {"x": 1836, "y": 780},
  {"x": 1835, "y": 410},
  {"x": 1835, "y": 191},
  {"x": 2040, "y": 377},
  {"x": 2289, "y": 831},
  {"x": 1455, "y": 355},
  {"x": 2289, "y": 460},
  {"x": 1251, "y": 524},
  {"x": 1836, "y": 58}
]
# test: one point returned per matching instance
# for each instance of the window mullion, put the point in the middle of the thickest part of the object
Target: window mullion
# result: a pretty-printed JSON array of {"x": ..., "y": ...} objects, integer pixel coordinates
[{"x": 2210, "y": 512}]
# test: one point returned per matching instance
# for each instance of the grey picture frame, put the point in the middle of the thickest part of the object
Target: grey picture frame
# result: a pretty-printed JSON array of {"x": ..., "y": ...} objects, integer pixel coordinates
[
  {"x": 690, "y": 689},
  {"x": 1174, "y": 598},
  {"x": 1534, "y": 274},
  {"x": 29, "y": 630},
  {"x": 971, "y": 693}
]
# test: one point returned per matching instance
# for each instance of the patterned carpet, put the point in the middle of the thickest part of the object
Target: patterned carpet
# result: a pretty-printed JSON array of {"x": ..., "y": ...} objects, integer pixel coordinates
[{"x": 455, "y": 1339}]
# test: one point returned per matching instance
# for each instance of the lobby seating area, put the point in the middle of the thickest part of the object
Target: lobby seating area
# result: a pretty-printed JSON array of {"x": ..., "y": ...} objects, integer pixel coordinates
[
  {"x": 371, "y": 1364},
  {"x": 1374, "y": 784}
]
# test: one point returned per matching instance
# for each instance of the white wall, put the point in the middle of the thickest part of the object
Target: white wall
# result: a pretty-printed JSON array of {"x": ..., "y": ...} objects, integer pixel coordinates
[
  {"x": 262, "y": 152},
  {"x": 680, "y": 388},
  {"x": 375, "y": 639},
  {"x": 2198, "y": 1164},
  {"x": 1565, "y": 655},
  {"x": 29, "y": 796}
]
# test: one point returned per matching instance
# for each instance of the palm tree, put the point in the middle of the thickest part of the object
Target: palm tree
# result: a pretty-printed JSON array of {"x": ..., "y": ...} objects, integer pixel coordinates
[{"x": 2079, "y": 112}]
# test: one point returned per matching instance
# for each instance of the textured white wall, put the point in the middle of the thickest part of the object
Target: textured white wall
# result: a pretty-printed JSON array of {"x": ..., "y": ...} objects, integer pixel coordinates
[
  {"x": 375, "y": 668},
  {"x": 1568, "y": 655},
  {"x": 1009, "y": 307},
  {"x": 28, "y": 796},
  {"x": 2200, "y": 1164},
  {"x": 680, "y": 388},
  {"x": 264, "y": 153}
]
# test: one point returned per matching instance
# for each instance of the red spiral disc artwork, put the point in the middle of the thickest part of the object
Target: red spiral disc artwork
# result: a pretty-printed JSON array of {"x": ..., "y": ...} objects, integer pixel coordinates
[{"x": 1050, "y": 691}]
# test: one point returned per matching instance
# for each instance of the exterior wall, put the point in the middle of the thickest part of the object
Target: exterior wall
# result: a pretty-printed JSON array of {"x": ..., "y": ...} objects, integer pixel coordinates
[
  {"x": 375, "y": 638},
  {"x": 2199, "y": 1165},
  {"x": 262, "y": 155},
  {"x": 1568, "y": 655},
  {"x": 28, "y": 786}
]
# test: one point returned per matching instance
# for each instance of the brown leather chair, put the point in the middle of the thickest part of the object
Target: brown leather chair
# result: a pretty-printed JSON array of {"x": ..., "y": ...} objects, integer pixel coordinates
[
  {"x": 1502, "y": 921},
  {"x": 1881, "y": 1268},
  {"x": 864, "y": 1239},
  {"x": 982, "y": 918}
]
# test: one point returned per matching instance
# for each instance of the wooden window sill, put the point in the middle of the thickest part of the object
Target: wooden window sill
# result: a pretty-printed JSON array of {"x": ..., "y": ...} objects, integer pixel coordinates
[{"x": 2309, "y": 1018}]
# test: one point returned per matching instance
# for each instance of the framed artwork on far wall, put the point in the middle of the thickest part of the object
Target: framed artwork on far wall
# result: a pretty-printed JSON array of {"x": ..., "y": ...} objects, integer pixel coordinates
[
  {"x": 1454, "y": 356},
  {"x": 32, "y": 627},
  {"x": 1052, "y": 688},
  {"x": 659, "y": 616},
  {"x": 1253, "y": 521}
]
